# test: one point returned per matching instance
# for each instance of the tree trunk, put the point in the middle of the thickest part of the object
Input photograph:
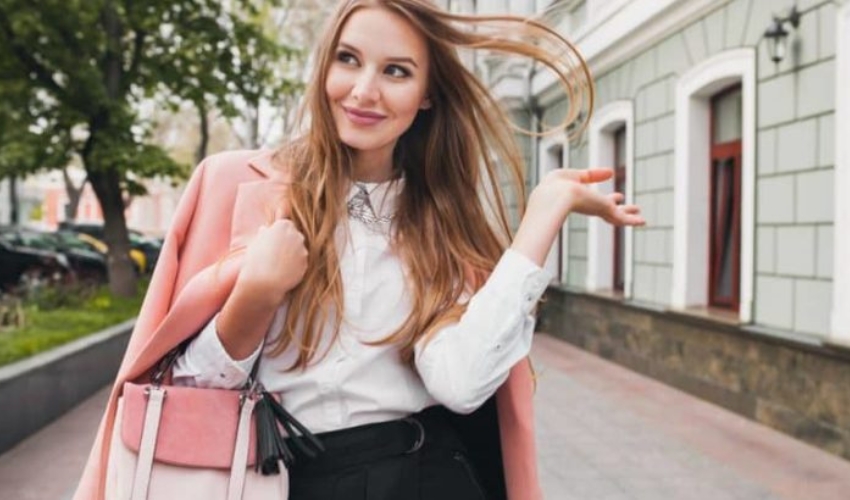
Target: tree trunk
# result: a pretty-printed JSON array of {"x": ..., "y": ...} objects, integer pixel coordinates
[
  {"x": 107, "y": 187},
  {"x": 201, "y": 152},
  {"x": 105, "y": 180},
  {"x": 74, "y": 196},
  {"x": 255, "y": 125},
  {"x": 14, "y": 202}
]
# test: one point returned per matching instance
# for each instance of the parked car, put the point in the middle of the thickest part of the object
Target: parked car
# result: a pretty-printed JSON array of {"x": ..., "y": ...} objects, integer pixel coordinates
[
  {"x": 22, "y": 267},
  {"x": 137, "y": 256},
  {"x": 86, "y": 263},
  {"x": 147, "y": 245}
]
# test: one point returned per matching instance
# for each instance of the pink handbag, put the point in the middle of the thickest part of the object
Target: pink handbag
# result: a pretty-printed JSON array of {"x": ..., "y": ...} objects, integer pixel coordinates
[{"x": 172, "y": 442}]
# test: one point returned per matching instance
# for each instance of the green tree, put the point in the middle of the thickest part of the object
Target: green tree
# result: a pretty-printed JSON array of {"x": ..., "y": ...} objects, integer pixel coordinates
[
  {"x": 30, "y": 137},
  {"x": 86, "y": 65}
]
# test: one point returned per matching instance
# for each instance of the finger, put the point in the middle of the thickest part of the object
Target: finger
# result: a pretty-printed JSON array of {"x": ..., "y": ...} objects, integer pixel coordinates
[
  {"x": 593, "y": 175},
  {"x": 617, "y": 197},
  {"x": 587, "y": 176},
  {"x": 627, "y": 215}
]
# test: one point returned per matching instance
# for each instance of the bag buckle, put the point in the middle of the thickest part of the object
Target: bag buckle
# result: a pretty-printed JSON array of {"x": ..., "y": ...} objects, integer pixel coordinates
[{"x": 420, "y": 435}]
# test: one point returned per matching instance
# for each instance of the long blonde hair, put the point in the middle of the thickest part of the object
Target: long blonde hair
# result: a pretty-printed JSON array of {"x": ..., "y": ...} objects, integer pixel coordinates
[{"x": 444, "y": 230}]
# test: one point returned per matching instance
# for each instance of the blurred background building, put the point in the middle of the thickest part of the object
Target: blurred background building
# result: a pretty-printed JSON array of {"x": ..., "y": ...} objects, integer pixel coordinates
[{"x": 727, "y": 121}]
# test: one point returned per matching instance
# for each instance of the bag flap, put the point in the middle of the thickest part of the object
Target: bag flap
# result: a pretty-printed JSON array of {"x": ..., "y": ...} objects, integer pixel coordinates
[{"x": 197, "y": 428}]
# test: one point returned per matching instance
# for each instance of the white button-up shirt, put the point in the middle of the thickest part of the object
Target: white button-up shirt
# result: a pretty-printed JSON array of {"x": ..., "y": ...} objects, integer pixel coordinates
[{"x": 355, "y": 383}]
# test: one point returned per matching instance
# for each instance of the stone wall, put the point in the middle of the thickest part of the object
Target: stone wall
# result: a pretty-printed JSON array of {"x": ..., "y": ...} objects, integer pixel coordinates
[
  {"x": 37, "y": 390},
  {"x": 794, "y": 385}
]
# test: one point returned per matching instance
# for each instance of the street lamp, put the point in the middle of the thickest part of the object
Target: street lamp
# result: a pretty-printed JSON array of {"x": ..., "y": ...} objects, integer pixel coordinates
[{"x": 777, "y": 35}]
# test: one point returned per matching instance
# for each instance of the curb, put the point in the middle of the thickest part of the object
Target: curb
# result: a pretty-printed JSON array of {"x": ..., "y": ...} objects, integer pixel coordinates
[{"x": 37, "y": 390}]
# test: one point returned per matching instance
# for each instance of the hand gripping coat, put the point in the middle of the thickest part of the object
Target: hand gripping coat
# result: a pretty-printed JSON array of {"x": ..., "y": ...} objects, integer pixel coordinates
[{"x": 228, "y": 197}]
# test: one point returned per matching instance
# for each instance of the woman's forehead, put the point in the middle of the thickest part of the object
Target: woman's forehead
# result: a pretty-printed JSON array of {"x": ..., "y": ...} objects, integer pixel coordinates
[{"x": 384, "y": 34}]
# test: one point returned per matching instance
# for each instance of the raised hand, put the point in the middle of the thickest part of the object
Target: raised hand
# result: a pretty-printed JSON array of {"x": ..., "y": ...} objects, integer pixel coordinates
[
  {"x": 570, "y": 190},
  {"x": 560, "y": 193}
]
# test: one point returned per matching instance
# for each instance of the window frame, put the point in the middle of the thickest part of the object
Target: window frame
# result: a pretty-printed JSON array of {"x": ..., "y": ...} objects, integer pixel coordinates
[
  {"x": 718, "y": 152},
  {"x": 618, "y": 283}
]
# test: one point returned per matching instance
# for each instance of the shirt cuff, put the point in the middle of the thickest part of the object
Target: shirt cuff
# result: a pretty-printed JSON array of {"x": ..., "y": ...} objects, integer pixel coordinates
[
  {"x": 515, "y": 271},
  {"x": 209, "y": 365}
]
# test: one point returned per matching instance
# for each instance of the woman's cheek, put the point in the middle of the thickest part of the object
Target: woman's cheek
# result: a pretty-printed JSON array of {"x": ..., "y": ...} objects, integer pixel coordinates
[{"x": 335, "y": 85}]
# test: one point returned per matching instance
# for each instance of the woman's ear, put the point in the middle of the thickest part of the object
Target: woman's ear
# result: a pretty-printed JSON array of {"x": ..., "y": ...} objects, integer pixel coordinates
[{"x": 426, "y": 103}]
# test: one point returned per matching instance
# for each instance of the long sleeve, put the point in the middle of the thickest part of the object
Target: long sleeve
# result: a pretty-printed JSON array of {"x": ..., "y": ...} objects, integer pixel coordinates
[
  {"x": 464, "y": 363},
  {"x": 207, "y": 364}
]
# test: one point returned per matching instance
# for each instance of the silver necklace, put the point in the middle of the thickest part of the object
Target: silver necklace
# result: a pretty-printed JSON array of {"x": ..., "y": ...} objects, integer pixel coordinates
[{"x": 360, "y": 208}]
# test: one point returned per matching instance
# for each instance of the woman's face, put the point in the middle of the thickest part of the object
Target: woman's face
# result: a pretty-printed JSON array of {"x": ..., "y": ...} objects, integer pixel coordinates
[{"x": 378, "y": 78}]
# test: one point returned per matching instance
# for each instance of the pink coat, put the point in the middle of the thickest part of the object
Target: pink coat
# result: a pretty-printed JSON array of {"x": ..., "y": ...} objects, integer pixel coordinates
[{"x": 228, "y": 197}]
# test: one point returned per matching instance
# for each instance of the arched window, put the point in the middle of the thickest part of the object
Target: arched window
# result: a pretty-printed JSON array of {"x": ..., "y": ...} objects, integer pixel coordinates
[
  {"x": 715, "y": 184},
  {"x": 553, "y": 152},
  {"x": 611, "y": 139}
]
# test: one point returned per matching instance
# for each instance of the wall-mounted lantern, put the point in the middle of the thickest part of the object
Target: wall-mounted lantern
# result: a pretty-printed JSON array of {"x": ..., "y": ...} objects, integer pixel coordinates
[{"x": 777, "y": 35}]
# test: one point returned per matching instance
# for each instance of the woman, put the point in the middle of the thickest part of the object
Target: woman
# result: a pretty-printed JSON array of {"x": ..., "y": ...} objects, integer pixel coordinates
[{"x": 387, "y": 288}]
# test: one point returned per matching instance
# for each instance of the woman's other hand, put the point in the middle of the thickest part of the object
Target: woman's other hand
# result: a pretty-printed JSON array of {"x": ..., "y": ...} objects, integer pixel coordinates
[
  {"x": 274, "y": 263},
  {"x": 560, "y": 193}
]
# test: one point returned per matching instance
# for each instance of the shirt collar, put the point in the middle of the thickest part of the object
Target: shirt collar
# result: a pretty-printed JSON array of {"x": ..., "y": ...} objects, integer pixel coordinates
[{"x": 382, "y": 195}]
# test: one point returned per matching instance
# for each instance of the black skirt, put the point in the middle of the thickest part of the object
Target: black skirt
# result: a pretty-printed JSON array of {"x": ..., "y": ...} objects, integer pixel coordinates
[{"x": 421, "y": 457}]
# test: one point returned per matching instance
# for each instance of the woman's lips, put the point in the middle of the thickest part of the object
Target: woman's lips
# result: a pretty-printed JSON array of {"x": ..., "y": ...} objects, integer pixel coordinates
[{"x": 360, "y": 117}]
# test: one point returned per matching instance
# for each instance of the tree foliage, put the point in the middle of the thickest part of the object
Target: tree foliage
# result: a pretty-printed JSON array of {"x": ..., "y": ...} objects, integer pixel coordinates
[{"x": 77, "y": 71}]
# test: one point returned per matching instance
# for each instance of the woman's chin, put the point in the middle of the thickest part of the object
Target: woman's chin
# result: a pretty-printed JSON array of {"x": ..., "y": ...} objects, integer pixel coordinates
[{"x": 363, "y": 144}]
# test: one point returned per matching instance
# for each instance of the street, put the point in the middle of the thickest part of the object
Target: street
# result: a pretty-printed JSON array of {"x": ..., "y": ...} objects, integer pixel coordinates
[{"x": 604, "y": 433}]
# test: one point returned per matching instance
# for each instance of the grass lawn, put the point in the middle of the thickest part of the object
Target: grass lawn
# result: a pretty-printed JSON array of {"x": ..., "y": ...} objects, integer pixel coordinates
[{"x": 48, "y": 328}]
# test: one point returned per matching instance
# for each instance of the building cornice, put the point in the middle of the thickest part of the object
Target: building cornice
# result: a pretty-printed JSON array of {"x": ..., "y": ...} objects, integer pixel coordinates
[{"x": 625, "y": 29}]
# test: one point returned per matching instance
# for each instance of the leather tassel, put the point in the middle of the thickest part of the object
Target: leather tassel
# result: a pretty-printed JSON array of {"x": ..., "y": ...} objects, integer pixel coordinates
[
  {"x": 298, "y": 434},
  {"x": 271, "y": 448}
]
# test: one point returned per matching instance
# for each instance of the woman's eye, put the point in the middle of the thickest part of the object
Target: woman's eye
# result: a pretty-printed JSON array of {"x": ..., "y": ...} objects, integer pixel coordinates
[
  {"x": 397, "y": 71},
  {"x": 346, "y": 57}
]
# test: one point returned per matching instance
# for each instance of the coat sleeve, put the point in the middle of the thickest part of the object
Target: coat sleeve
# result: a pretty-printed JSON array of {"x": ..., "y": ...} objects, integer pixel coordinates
[
  {"x": 164, "y": 284},
  {"x": 516, "y": 426},
  {"x": 194, "y": 275}
]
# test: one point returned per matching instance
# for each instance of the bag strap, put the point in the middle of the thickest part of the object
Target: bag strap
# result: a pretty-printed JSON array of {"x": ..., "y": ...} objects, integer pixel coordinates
[
  {"x": 144, "y": 464},
  {"x": 269, "y": 416},
  {"x": 238, "y": 468}
]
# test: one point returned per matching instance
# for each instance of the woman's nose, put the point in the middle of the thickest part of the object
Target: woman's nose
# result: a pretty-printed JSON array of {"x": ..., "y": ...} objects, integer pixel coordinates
[{"x": 365, "y": 87}]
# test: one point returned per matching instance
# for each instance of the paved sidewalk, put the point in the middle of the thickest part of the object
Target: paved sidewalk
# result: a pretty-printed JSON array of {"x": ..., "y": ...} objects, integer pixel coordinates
[{"x": 604, "y": 432}]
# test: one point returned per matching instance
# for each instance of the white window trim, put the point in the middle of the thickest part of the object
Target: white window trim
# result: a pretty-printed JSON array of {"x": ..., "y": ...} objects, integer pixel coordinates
[
  {"x": 600, "y": 235},
  {"x": 840, "y": 331},
  {"x": 691, "y": 195},
  {"x": 545, "y": 164}
]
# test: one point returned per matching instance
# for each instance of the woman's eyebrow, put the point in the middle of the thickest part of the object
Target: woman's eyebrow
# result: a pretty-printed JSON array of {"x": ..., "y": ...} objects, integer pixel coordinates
[{"x": 399, "y": 59}]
